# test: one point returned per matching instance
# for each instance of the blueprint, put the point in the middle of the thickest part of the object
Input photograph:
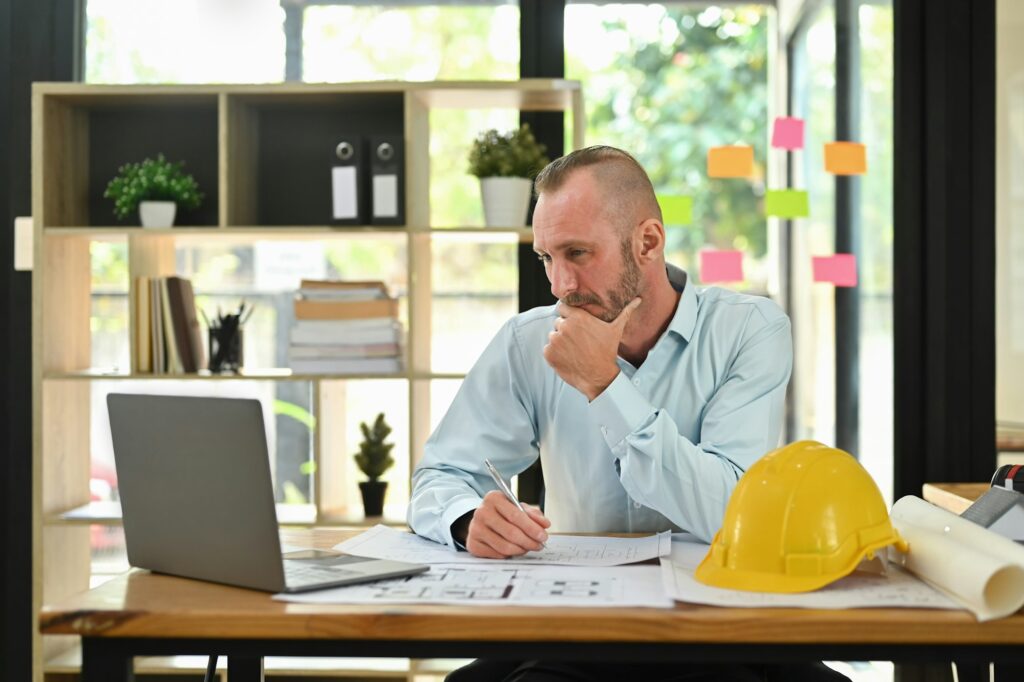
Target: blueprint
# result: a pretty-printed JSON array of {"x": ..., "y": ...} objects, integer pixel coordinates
[
  {"x": 499, "y": 583},
  {"x": 894, "y": 587},
  {"x": 382, "y": 542}
]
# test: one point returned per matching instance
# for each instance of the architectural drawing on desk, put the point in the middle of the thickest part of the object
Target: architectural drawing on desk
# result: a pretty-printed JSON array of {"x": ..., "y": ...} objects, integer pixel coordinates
[
  {"x": 499, "y": 583},
  {"x": 508, "y": 584}
]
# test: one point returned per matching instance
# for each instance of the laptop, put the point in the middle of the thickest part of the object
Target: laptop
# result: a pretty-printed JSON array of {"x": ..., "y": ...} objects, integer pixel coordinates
[{"x": 197, "y": 499}]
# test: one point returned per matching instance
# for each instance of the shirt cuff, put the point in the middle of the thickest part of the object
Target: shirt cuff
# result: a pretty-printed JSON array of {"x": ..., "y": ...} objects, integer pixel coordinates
[
  {"x": 620, "y": 410},
  {"x": 455, "y": 509}
]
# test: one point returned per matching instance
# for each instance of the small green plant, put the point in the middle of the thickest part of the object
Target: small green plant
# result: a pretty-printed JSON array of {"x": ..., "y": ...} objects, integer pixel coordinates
[
  {"x": 159, "y": 180},
  {"x": 513, "y": 154},
  {"x": 374, "y": 456}
]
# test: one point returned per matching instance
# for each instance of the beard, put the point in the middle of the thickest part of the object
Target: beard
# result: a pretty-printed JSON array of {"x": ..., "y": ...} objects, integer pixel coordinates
[{"x": 625, "y": 290}]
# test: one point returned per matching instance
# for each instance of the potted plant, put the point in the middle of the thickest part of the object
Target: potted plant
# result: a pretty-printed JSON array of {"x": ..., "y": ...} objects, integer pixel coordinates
[
  {"x": 506, "y": 164},
  {"x": 373, "y": 459},
  {"x": 156, "y": 188}
]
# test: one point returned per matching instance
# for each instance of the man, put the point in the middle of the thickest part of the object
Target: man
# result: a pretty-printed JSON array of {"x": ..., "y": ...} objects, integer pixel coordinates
[{"x": 645, "y": 398}]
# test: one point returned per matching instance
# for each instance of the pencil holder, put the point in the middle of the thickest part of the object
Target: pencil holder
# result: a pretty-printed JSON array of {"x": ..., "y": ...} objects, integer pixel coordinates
[{"x": 225, "y": 349}]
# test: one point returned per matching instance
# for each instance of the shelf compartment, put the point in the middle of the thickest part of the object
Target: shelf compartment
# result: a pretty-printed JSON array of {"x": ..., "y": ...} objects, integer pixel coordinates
[
  {"x": 279, "y": 150},
  {"x": 85, "y": 141}
]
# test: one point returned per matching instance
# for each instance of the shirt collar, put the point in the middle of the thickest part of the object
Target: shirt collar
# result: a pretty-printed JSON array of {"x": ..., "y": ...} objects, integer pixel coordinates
[{"x": 685, "y": 318}]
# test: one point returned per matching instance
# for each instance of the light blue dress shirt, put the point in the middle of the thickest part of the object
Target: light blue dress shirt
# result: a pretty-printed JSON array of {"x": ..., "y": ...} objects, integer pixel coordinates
[{"x": 661, "y": 448}]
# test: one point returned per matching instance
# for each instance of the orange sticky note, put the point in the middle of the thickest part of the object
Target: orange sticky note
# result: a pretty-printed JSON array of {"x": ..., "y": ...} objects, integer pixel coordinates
[
  {"x": 736, "y": 161},
  {"x": 840, "y": 269},
  {"x": 721, "y": 266},
  {"x": 846, "y": 158}
]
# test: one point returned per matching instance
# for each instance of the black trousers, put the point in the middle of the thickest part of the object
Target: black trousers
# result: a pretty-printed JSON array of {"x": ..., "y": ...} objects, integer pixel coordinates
[{"x": 575, "y": 671}]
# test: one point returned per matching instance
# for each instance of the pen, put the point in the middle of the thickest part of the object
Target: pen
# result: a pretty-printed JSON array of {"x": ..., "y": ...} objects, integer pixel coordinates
[{"x": 501, "y": 485}]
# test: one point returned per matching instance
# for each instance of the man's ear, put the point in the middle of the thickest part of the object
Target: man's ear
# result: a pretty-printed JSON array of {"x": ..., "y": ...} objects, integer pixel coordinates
[{"x": 652, "y": 239}]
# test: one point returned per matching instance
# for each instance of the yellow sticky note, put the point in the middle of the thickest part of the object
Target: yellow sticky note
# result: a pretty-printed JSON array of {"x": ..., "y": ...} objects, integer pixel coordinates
[
  {"x": 786, "y": 203},
  {"x": 731, "y": 162},
  {"x": 676, "y": 209},
  {"x": 846, "y": 158}
]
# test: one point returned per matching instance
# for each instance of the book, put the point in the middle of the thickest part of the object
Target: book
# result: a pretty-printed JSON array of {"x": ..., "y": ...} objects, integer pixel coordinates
[
  {"x": 177, "y": 305},
  {"x": 346, "y": 365},
  {"x": 342, "y": 284},
  {"x": 346, "y": 310},
  {"x": 359, "y": 350},
  {"x": 330, "y": 332},
  {"x": 157, "y": 327},
  {"x": 341, "y": 294},
  {"x": 174, "y": 365},
  {"x": 143, "y": 357}
]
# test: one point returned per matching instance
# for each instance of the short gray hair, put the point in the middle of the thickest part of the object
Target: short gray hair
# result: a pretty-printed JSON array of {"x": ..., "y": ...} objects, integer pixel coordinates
[{"x": 615, "y": 170}]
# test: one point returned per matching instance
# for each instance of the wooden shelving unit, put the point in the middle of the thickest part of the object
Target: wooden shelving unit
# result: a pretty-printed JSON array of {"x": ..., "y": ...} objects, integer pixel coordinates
[{"x": 254, "y": 149}]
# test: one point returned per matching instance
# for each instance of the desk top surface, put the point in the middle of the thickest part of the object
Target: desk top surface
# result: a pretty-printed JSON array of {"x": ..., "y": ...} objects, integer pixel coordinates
[{"x": 141, "y": 604}]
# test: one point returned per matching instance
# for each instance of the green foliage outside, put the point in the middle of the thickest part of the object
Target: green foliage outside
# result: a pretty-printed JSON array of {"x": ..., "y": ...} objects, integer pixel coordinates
[
  {"x": 688, "y": 79},
  {"x": 152, "y": 180},
  {"x": 515, "y": 154},
  {"x": 374, "y": 456}
]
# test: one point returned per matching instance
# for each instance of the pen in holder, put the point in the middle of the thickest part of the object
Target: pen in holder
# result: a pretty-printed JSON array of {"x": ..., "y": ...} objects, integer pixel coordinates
[{"x": 225, "y": 334}]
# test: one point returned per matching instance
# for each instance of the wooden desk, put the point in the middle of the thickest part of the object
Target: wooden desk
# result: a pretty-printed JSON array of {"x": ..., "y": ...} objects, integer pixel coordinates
[{"x": 144, "y": 614}]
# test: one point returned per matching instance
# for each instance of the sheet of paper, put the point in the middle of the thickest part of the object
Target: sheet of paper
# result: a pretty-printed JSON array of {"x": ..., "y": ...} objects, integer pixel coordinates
[
  {"x": 981, "y": 570},
  {"x": 501, "y": 583},
  {"x": 840, "y": 269},
  {"x": 383, "y": 542},
  {"x": 676, "y": 209},
  {"x": 859, "y": 590},
  {"x": 721, "y": 266},
  {"x": 846, "y": 158},
  {"x": 731, "y": 162},
  {"x": 788, "y": 133},
  {"x": 786, "y": 203}
]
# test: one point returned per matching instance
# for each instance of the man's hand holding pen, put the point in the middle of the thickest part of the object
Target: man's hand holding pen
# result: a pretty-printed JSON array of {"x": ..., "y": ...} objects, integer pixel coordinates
[{"x": 499, "y": 530}]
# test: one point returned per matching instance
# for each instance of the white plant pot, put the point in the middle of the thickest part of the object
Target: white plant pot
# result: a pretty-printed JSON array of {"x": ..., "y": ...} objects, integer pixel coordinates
[
  {"x": 157, "y": 213},
  {"x": 506, "y": 201}
]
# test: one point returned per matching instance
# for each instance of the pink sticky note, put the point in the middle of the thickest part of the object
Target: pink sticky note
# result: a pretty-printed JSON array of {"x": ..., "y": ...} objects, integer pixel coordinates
[
  {"x": 840, "y": 269},
  {"x": 721, "y": 266},
  {"x": 788, "y": 133}
]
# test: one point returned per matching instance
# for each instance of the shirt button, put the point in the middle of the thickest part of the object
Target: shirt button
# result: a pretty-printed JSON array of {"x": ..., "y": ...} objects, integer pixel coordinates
[
  {"x": 636, "y": 382},
  {"x": 604, "y": 430},
  {"x": 637, "y": 505}
]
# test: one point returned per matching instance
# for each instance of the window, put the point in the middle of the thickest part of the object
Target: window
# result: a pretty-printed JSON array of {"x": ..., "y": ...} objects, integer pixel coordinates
[
  {"x": 666, "y": 82},
  {"x": 858, "y": 342},
  {"x": 1009, "y": 232}
]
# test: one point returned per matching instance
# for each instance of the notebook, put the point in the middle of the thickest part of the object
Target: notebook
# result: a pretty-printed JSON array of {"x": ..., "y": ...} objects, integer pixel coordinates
[{"x": 197, "y": 498}]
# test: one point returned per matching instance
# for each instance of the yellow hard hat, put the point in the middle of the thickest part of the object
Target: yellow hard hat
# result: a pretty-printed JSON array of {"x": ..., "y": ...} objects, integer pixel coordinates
[{"x": 799, "y": 518}]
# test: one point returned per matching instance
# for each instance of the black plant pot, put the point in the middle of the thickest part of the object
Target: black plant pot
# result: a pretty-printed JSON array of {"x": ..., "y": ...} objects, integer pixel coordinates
[{"x": 373, "y": 497}]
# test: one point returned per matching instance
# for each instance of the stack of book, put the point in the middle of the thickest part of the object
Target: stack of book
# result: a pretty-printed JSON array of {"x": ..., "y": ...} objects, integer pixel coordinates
[
  {"x": 167, "y": 335},
  {"x": 345, "y": 328}
]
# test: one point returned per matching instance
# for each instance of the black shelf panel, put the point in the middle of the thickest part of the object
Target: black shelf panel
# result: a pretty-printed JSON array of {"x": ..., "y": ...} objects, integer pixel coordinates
[{"x": 130, "y": 133}]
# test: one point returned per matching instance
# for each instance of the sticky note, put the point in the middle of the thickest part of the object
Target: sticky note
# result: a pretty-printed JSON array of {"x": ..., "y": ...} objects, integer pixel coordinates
[
  {"x": 786, "y": 203},
  {"x": 846, "y": 158},
  {"x": 840, "y": 269},
  {"x": 736, "y": 161},
  {"x": 676, "y": 209},
  {"x": 788, "y": 133},
  {"x": 721, "y": 266}
]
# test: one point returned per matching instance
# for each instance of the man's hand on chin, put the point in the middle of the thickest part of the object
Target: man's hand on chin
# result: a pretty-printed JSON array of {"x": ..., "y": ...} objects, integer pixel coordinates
[{"x": 583, "y": 349}]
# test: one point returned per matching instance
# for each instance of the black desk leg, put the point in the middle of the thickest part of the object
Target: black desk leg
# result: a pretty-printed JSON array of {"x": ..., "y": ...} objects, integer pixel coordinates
[
  {"x": 245, "y": 668},
  {"x": 103, "y": 660}
]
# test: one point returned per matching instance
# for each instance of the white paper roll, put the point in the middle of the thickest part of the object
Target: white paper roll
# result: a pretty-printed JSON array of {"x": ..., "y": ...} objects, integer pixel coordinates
[{"x": 979, "y": 569}]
